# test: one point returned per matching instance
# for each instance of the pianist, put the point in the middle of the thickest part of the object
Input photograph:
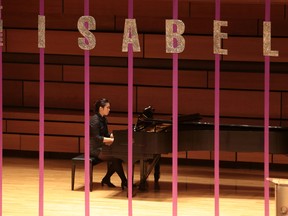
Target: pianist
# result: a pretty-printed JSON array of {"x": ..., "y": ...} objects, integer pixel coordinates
[{"x": 99, "y": 138}]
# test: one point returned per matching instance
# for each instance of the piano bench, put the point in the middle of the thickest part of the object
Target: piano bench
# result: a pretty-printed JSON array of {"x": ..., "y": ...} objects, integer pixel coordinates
[{"x": 81, "y": 159}]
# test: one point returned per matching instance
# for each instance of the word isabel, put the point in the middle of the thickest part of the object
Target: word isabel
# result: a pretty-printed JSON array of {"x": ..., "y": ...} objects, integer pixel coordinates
[{"x": 175, "y": 42}]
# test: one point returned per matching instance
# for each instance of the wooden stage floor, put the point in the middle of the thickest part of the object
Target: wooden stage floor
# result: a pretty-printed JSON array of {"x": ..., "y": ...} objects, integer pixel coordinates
[{"x": 241, "y": 191}]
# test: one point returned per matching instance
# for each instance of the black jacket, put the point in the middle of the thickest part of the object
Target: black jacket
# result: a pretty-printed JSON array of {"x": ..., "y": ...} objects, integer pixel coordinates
[{"x": 98, "y": 130}]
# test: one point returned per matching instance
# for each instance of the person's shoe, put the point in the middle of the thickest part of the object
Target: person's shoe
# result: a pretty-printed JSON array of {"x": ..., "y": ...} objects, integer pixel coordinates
[
  {"x": 124, "y": 185},
  {"x": 108, "y": 183}
]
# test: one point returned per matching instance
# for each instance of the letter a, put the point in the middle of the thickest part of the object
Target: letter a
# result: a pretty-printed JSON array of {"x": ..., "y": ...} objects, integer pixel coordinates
[{"x": 130, "y": 36}]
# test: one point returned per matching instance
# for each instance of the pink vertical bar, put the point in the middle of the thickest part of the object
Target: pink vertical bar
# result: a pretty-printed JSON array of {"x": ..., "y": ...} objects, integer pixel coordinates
[
  {"x": 175, "y": 123},
  {"x": 266, "y": 118},
  {"x": 216, "y": 120},
  {"x": 130, "y": 116},
  {"x": 1, "y": 120},
  {"x": 41, "y": 124},
  {"x": 87, "y": 119}
]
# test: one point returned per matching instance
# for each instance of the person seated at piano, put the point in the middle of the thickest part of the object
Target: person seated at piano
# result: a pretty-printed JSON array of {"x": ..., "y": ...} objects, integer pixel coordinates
[{"x": 99, "y": 138}]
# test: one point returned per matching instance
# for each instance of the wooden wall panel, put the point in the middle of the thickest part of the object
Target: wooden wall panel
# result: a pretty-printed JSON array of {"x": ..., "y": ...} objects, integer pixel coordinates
[
  {"x": 284, "y": 105},
  {"x": 20, "y": 20},
  {"x": 69, "y": 22},
  {"x": 253, "y": 49},
  {"x": 108, "y": 7},
  {"x": 196, "y": 47},
  {"x": 12, "y": 93},
  {"x": 238, "y": 80},
  {"x": 251, "y": 11},
  {"x": 57, "y": 95},
  {"x": 64, "y": 128},
  {"x": 64, "y": 115},
  {"x": 155, "y": 97},
  {"x": 30, "y": 6},
  {"x": 279, "y": 82},
  {"x": 202, "y": 10},
  {"x": 279, "y": 27},
  {"x": 195, "y": 101},
  {"x": 21, "y": 113},
  {"x": 241, "y": 27},
  {"x": 156, "y": 77},
  {"x": 63, "y": 42},
  {"x": 117, "y": 95},
  {"x": 28, "y": 127},
  {"x": 198, "y": 26},
  {"x": 280, "y": 45},
  {"x": 61, "y": 144},
  {"x": 142, "y": 76},
  {"x": 202, "y": 155},
  {"x": 251, "y": 157},
  {"x": 55, "y": 21},
  {"x": 120, "y": 8},
  {"x": 71, "y": 96},
  {"x": 190, "y": 100},
  {"x": 226, "y": 156},
  {"x": 4, "y": 122},
  {"x": 159, "y": 9},
  {"x": 15, "y": 42},
  {"x": 249, "y": 81},
  {"x": 14, "y": 71},
  {"x": 280, "y": 159},
  {"x": 11, "y": 141},
  {"x": 115, "y": 75},
  {"x": 144, "y": 24},
  {"x": 51, "y": 144},
  {"x": 248, "y": 104}
]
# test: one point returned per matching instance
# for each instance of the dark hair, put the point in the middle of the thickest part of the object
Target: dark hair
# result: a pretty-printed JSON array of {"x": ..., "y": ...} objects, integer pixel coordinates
[{"x": 100, "y": 103}]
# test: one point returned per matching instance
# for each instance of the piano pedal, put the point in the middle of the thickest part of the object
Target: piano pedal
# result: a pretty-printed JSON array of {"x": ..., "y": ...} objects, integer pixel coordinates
[
  {"x": 143, "y": 186},
  {"x": 156, "y": 186}
]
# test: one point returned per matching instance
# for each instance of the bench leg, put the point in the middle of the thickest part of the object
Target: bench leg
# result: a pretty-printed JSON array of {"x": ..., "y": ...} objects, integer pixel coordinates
[
  {"x": 91, "y": 177},
  {"x": 73, "y": 175}
]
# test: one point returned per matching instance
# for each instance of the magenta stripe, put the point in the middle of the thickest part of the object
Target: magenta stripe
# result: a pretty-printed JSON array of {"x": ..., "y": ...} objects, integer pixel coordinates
[
  {"x": 1, "y": 122},
  {"x": 87, "y": 119},
  {"x": 175, "y": 124},
  {"x": 41, "y": 134},
  {"x": 216, "y": 119},
  {"x": 216, "y": 133},
  {"x": 130, "y": 127},
  {"x": 175, "y": 135},
  {"x": 1, "y": 127},
  {"x": 266, "y": 118},
  {"x": 41, "y": 122},
  {"x": 130, "y": 115}
]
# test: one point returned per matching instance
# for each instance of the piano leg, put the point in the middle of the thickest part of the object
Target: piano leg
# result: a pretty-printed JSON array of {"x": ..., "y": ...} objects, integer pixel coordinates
[
  {"x": 145, "y": 171},
  {"x": 157, "y": 174}
]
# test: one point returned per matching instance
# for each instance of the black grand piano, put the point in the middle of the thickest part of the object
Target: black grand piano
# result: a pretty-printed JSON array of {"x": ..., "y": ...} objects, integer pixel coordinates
[{"x": 153, "y": 137}]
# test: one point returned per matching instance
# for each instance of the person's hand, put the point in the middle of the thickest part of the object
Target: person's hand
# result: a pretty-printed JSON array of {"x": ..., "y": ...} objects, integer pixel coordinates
[
  {"x": 111, "y": 135},
  {"x": 109, "y": 141}
]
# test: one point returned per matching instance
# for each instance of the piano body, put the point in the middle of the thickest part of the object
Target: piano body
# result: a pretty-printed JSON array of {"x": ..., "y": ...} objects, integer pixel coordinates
[{"x": 193, "y": 135}]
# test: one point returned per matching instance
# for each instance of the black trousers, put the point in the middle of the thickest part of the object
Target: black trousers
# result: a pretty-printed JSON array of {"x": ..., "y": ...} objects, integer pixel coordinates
[{"x": 114, "y": 165}]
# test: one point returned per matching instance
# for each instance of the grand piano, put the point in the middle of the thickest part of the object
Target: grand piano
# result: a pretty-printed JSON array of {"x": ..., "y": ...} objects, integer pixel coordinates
[{"x": 153, "y": 137}]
